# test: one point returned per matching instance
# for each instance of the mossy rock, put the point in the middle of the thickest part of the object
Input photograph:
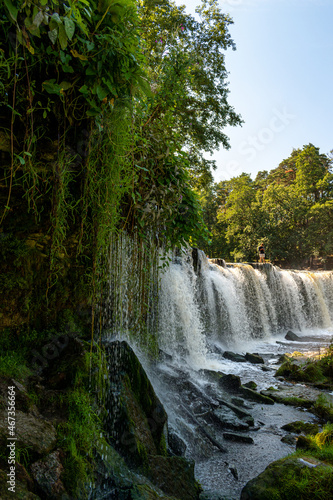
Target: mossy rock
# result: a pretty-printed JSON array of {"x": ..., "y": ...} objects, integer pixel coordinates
[
  {"x": 288, "y": 369},
  {"x": 251, "y": 385},
  {"x": 174, "y": 476},
  {"x": 292, "y": 477},
  {"x": 299, "y": 427},
  {"x": 304, "y": 443},
  {"x": 255, "y": 396},
  {"x": 137, "y": 425}
]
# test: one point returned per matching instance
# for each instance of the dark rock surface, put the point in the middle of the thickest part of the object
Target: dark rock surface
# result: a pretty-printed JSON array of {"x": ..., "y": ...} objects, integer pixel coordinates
[
  {"x": 242, "y": 438},
  {"x": 254, "y": 358},
  {"x": 47, "y": 474},
  {"x": 238, "y": 358}
]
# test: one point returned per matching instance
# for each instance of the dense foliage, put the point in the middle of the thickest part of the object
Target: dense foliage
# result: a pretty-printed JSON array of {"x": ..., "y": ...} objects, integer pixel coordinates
[
  {"x": 105, "y": 108},
  {"x": 289, "y": 209}
]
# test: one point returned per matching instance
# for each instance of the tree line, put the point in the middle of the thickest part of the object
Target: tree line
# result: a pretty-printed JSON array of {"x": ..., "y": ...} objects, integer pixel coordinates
[{"x": 289, "y": 209}]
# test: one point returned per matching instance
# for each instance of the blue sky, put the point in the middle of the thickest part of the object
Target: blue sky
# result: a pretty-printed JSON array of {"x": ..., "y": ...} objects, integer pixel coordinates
[{"x": 280, "y": 81}]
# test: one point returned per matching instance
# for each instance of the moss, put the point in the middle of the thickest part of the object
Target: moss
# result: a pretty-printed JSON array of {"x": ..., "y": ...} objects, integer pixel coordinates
[
  {"x": 299, "y": 427},
  {"x": 162, "y": 448},
  {"x": 291, "y": 478},
  {"x": 13, "y": 364},
  {"x": 294, "y": 401},
  {"x": 287, "y": 369},
  {"x": 315, "y": 371},
  {"x": 323, "y": 408}
]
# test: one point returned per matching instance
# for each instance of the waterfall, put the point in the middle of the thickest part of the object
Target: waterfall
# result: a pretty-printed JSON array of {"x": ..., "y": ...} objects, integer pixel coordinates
[
  {"x": 183, "y": 306},
  {"x": 235, "y": 303}
]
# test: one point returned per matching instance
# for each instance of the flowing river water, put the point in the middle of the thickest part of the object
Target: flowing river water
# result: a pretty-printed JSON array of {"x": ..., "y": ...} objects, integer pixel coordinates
[{"x": 242, "y": 308}]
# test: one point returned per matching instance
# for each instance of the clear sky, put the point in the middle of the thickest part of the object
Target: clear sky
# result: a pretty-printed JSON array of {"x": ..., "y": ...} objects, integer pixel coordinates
[{"x": 280, "y": 81}]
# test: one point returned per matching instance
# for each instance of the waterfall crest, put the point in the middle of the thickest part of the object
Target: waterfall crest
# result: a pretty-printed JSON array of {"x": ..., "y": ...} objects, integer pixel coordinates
[{"x": 236, "y": 303}]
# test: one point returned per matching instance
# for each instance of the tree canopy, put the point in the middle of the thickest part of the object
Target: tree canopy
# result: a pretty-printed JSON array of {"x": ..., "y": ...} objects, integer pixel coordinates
[{"x": 289, "y": 209}]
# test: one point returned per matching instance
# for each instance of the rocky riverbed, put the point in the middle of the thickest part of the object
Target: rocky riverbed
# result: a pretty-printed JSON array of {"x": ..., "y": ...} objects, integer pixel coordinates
[{"x": 232, "y": 425}]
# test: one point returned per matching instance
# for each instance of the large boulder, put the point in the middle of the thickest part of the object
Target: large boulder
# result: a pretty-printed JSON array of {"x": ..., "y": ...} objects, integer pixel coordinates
[
  {"x": 293, "y": 477},
  {"x": 254, "y": 358},
  {"x": 233, "y": 356}
]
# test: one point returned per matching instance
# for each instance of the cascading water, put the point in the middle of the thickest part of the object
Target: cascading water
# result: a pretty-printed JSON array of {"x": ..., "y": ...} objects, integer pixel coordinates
[
  {"x": 215, "y": 307},
  {"x": 238, "y": 303},
  {"x": 194, "y": 309}
]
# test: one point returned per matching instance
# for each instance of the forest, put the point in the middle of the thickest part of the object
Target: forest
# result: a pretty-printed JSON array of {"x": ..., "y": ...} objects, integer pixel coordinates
[{"x": 288, "y": 209}]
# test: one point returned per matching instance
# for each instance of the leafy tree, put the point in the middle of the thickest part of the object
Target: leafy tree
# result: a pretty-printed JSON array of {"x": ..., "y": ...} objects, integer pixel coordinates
[
  {"x": 213, "y": 200},
  {"x": 289, "y": 209},
  {"x": 187, "y": 74}
]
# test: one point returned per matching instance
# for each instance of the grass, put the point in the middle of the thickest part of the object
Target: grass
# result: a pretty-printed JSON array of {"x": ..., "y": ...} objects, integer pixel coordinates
[
  {"x": 14, "y": 365},
  {"x": 79, "y": 435}
]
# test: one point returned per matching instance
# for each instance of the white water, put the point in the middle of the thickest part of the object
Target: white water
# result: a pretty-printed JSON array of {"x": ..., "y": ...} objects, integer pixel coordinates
[{"x": 238, "y": 305}]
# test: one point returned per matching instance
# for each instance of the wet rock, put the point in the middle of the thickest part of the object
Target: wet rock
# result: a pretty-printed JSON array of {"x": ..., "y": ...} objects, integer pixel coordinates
[
  {"x": 47, "y": 473},
  {"x": 164, "y": 356},
  {"x": 216, "y": 349},
  {"x": 244, "y": 415},
  {"x": 238, "y": 358},
  {"x": 284, "y": 358},
  {"x": 219, "y": 262},
  {"x": 176, "y": 444},
  {"x": 292, "y": 336},
  {"x": 274, "y": 481},
  {"x": 254, "y": 358},
  {"x": 138, "y": 420},
  {"x": 239, "y": 402},
  {"x": 212, "y": 375},
  {"x": 250, "y": 385},
  {"x": 299, "y": 427},
  {"x": 240, "y": 438},
  {"x": 226, "y": 419},
  {"x": 294, "y": 395},
  {"x": 230, "y": 382},
  {"x": 174, "y": 476},
  {"x": 295, "y": 338},
  {"x": 255, "y": 396},
  {"x": 267, "y": 368},
  {"x": 289, "y": 439},
  {"x": 233, "y": 471},
  {"x": 137, "y": 425}
]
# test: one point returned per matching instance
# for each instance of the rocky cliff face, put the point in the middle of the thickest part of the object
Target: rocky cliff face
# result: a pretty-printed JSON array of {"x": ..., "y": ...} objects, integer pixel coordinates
[{"x": 130, "y": 458}]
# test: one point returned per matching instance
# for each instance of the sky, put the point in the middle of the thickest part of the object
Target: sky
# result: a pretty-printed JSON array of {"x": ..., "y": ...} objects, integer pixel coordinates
[{"x": 280, "y": 81}]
